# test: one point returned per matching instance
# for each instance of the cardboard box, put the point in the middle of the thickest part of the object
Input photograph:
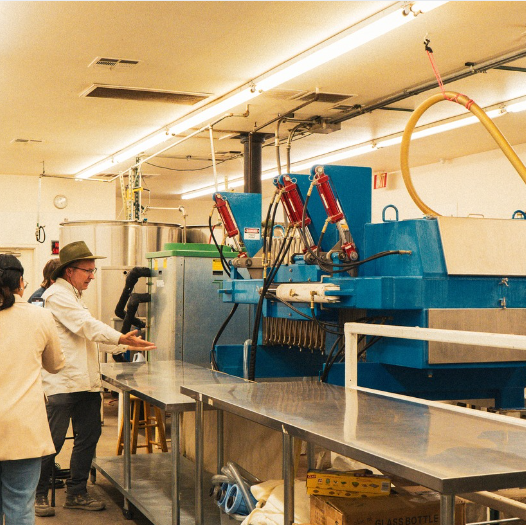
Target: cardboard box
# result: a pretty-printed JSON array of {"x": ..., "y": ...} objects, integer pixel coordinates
[
  {"x": 356, "y": 482},
  {"x": 315, "y": 491},
  {"x": 390, "y": 510}
]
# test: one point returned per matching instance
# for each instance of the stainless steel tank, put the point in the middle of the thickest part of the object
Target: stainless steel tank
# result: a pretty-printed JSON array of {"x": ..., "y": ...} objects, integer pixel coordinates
[{"x": 124, "y": 244}]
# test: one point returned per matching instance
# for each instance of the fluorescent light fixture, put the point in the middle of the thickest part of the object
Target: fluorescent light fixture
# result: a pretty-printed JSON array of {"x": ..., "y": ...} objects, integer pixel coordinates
[
  {"x": 211, "y": 189},
  {"x": 144, "y": 145},
  {"x": 515, "y": 108},
  {"x": 369, "y": 31},
  {"x": 356, "y": 36},
  {"x": 96, "y": 168}
]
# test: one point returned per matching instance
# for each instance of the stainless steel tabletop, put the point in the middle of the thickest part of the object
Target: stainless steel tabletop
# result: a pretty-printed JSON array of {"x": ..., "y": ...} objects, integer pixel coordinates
[
  {"x": 159, "y": 383},
  {"x": 449, "y": 449}
]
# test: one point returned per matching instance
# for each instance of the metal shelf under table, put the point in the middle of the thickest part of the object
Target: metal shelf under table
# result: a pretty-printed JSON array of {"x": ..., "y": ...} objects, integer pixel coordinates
[
  {"x": 449, "y": 449},
  {"x": 158, "y": 383}
]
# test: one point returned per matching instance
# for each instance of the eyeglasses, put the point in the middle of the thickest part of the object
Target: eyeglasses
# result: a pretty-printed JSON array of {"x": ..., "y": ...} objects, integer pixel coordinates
[
  {"x": 26, "y": 284},
  {"x": 91, "y": 271}
]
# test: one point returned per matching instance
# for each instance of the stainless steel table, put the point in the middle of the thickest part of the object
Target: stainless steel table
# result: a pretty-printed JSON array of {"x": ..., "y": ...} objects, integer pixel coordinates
[
  {"x": 159, "y": 485},
  {"x": 449, "y": 449}
]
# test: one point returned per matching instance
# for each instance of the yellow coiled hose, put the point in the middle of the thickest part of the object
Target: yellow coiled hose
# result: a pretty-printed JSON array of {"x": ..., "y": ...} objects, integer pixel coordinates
[{"x": 451, "y": 96}]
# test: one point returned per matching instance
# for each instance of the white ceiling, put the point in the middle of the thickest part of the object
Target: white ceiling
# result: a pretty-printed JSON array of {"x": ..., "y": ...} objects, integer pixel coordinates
[{"x": 216, "y": 47}]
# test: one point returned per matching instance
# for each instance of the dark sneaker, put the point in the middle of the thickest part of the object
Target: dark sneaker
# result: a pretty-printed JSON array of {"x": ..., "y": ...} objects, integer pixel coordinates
[
  {"x": 42, "y": 508},
  {"x": 83, "y": 502}
]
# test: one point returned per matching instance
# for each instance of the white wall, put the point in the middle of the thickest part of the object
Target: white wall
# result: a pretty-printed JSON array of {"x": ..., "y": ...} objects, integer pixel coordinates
[
  {"x": 483, "y": 184},
  {"x": 19, "y": 210}
]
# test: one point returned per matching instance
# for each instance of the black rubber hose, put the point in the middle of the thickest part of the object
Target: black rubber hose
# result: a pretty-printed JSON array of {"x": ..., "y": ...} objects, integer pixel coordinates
[
  {"x": 257, "y": 320},
  {"x": 218, "y": 335},
  {"x": 224, "y": 262},
  {"x": 131, "y": 280},
  {"x": 133, "y": 304}
]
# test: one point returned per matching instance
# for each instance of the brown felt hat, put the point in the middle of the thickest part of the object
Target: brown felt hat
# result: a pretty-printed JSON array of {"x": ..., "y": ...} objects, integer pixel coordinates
[{"x": 74, "y": 251}]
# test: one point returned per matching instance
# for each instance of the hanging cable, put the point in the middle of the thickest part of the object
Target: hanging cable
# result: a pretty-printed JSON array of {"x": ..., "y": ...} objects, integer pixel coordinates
[
  {"x": 224, "y": 262},
  {"x": 213, "y": 360}
]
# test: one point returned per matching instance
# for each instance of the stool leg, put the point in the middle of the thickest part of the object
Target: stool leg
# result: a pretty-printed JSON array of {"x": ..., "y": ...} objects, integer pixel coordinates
[
  {"x": 160, "y": 429},
  {"x": 147, "y": 427},
  {"x": 135, "y": 424},
  {"x": 120, "y": 439}
]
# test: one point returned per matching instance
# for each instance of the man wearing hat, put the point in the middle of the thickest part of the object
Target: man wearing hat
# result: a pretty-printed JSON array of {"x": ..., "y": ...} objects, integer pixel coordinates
[{"x": 74, "y": 393}]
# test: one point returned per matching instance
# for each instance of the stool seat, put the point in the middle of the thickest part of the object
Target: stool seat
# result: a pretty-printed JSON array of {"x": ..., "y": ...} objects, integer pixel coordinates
[{"x": 149, "y": 423}]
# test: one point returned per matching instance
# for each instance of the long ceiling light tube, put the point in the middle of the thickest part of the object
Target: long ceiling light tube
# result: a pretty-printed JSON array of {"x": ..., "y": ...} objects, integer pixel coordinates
[
  {"x": 356, "y": 36},
  {"x": 362, "y": 149}
]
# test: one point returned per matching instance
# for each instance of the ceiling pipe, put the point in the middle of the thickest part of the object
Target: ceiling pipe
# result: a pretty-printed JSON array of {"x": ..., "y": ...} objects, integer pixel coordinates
[{"x": 473, "y": 69}]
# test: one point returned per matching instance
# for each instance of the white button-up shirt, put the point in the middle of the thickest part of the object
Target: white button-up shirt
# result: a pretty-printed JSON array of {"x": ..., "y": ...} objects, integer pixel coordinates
[{"x": 79, "y": 333}]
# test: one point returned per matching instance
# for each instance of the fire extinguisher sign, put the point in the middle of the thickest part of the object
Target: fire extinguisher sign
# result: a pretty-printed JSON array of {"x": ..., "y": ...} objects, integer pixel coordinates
[
  {"x": 252, "y": 234},
  {"x": 380, "y": 180}
]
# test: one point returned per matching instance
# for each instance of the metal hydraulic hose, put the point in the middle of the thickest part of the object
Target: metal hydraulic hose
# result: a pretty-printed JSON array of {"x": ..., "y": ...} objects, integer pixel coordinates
[{"x": 465, "y": 101}]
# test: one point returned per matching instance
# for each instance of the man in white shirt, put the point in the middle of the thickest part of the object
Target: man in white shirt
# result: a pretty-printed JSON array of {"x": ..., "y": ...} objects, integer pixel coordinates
[{"x": 74, "y": 393}]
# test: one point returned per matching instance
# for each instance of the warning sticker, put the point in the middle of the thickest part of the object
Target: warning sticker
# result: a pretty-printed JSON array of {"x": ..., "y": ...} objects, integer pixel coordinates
[{"x": 252, "y": 234}]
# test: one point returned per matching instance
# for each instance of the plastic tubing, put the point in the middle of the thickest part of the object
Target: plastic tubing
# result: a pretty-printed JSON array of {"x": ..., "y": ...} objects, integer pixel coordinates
[{"x": 465, "y": 101}]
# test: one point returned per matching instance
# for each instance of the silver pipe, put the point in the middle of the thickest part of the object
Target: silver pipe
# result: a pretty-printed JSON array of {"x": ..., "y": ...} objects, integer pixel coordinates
[
  {"x": 253, "y": 480},
  {"x": 199, "y": 450},
  {"x": 216, "y": 187},
  {"x": 447, "y": 509},
  {"x": 176, "y": 468},
  {"x": 288, "y": 478},
  {"x": 494, "y": 521},
  {"x": 243, "y": 486},
  {"x": 246, "y": 346},
  {"x": 276, "y": 145},
  {"x": 127, "y": 451},
  {"x": 311, "y": 456},
  {"x": 220, "y": 447}
]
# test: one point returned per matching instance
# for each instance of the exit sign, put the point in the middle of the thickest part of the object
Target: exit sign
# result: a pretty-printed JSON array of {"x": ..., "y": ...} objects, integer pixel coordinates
[{"x": 380, "y": 180}]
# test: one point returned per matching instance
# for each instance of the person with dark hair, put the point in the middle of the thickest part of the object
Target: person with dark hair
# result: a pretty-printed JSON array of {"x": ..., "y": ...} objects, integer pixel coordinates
[
  {"x": 49, "y": 268},
  {"x": 75, "y": 393},
  {"x": 29, "y": 341}
]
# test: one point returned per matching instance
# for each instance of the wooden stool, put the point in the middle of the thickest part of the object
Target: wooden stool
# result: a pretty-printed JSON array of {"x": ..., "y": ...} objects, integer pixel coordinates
[{"x": 149, "y": 424}]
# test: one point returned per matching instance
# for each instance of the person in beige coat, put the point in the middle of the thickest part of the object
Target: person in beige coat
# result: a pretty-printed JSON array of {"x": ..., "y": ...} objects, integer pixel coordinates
[{"x": 29, "y": 341}]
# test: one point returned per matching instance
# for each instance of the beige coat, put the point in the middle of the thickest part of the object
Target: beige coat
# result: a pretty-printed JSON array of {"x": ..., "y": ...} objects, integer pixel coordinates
[{"x": 28, "y": 342}]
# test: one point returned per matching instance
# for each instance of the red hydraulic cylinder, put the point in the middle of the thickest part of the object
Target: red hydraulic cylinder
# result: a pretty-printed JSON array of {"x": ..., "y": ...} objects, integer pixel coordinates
[
  {"x": 226, "y": 216},
  {"x": 292, "y": 202},
  {"x": 332, "y": 208}
]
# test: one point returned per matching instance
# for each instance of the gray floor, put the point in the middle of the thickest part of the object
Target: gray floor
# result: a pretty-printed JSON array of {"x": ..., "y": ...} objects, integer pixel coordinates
[{"x": 102, "y": 488}]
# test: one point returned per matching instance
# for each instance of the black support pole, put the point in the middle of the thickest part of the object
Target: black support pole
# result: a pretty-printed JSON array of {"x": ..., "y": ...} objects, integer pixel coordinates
[{"x": 253, "y": 143}]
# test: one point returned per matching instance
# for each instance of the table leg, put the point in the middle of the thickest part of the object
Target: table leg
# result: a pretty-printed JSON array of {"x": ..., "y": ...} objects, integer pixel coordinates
[
  {"x": 126, "y": 450},
  {"x": 176, "y": 467},
  {"x": 199, "y": 451},
  {"x": 311, "y": 456},
  {"x": 447, "y": 509},
  {"x": 220, "y": 445},
  {"x": 288, "y": 478}
]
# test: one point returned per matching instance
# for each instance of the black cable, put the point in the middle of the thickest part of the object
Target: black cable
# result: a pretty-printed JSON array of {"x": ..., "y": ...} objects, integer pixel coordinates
[
  {"x": 265, "y": 231},
  {"x": 224, "y": 262},
  {"x": 325, "y": 373},
  {"x": 257, "y": 319},
  {"x": 213, "y": 361},
  {"x": 194, "y": 169}
]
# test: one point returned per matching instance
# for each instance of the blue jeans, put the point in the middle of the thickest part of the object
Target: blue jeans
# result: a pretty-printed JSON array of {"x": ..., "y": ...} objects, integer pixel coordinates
[{"x": 18, "y": 483}]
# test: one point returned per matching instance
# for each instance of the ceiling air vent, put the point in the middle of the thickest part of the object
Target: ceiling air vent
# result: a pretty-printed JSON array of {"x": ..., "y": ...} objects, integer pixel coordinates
[
  {"x": 327, "y": 98},
  {"x": 143, "y": 94},
  {"x": 285, "y": 94},
  {"x": 26, "y": 141},
  {"x": 113, "y": 63}
]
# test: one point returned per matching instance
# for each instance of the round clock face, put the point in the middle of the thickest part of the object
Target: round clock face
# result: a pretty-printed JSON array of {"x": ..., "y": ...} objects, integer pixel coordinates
[{"x": 60, "y": 201}]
